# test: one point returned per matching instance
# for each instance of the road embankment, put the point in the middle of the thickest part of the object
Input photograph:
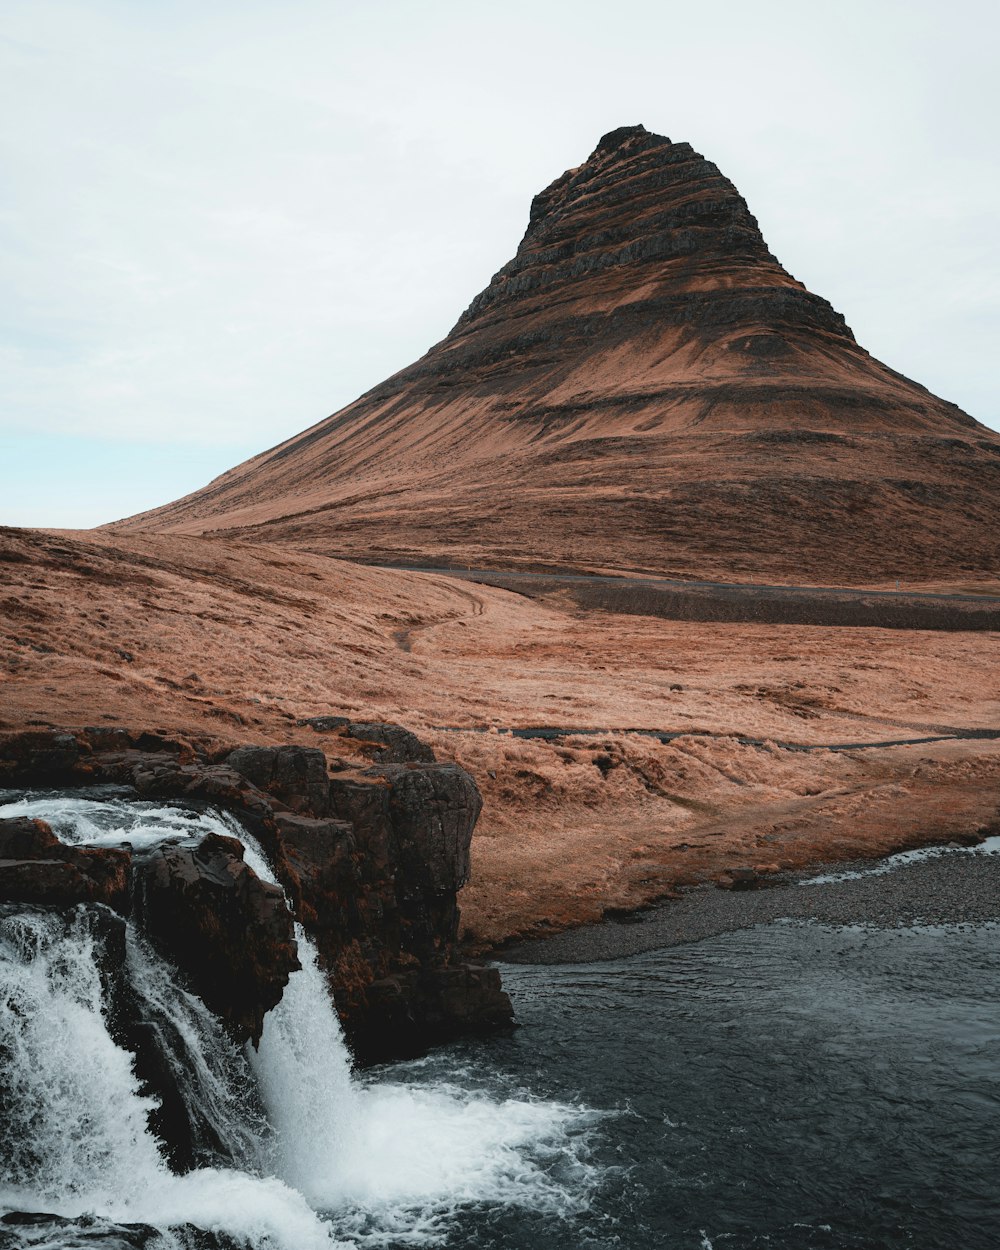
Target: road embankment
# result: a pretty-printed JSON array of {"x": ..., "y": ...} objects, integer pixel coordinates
[{"x": 748, "y": 603}]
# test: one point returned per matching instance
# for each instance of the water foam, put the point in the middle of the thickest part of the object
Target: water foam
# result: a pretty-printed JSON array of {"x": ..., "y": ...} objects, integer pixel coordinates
[
  {"x": 989, "y": 846},
  {"x": 114, "y": 820},
  {"x": 391, "y": 1159},
  {"x": 75, "y": 1140},
  {"x": 370, "y": 1161}
]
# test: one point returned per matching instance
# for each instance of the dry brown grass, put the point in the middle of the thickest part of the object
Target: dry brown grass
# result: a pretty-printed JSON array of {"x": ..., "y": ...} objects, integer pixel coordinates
[{"x": 237, "y": 642}]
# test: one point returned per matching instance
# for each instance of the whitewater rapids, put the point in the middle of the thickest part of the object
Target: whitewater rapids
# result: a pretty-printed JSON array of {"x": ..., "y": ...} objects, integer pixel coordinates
[{"x": 318, "y": 1157}]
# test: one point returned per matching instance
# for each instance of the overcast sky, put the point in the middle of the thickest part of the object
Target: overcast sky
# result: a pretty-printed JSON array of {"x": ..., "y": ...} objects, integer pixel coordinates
[{"x": 221, "y": 221}]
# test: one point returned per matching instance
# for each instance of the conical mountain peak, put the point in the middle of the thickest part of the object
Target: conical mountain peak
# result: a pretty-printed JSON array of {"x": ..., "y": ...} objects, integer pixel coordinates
[
  {"x": 625, "y": 136},
  {"x": 641, "y": 387},
  {"x": 645, "y": 223}
]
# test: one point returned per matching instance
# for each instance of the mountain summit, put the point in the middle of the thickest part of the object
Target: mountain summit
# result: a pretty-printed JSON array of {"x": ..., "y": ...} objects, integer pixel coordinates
[{"x": 643, "y": 387}]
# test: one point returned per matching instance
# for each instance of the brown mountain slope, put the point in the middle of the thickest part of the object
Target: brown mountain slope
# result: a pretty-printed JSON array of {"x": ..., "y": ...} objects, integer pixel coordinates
[{"x": 642, "y": 387}]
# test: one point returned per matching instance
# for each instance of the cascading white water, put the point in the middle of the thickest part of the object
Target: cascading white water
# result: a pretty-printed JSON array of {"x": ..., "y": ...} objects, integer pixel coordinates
[
  {"x": 74, "y": 1138},
  {"x": 389, "y": 1156},
  {"x": 210, "y": 1071},
  {"x": 303, "y": 1068},
  {"x": 381, "y": 1160},
  {"x": 73, "y": 1108}
]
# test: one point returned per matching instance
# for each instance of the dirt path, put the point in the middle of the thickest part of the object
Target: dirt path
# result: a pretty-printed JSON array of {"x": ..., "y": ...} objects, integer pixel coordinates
[{"x": 732, "y": 765}]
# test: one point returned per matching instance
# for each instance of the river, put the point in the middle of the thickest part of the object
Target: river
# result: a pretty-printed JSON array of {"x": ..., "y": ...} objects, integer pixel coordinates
[{"x": 790, "y": 1086}]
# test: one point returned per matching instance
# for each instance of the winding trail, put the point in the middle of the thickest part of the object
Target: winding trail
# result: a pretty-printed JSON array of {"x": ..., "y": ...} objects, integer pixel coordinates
[
  {"x": 483, "y": 575},
  {"x": 404, "y": 638}
]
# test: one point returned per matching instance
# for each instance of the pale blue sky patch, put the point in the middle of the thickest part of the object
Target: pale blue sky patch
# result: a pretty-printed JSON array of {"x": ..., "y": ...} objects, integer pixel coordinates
[{"x": 68, "y": 481}]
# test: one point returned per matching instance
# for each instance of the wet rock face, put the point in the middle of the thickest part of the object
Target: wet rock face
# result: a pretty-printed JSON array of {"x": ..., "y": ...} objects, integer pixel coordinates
[
  {"x": 49, "y": 756},
  {"x": 35, "y": 867},
  {"x": 322, "y": 864},
  {"x": 228, "y": 932},
  {"x": 381, "y": 881},
  {"x": 467, "y": 998}
]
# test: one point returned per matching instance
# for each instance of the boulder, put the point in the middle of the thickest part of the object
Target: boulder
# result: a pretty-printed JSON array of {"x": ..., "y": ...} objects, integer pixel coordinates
[
  {"x": 35, "y": 867},
  {"x": 47, "y": 756},
  {"x": 394, "y": 744},
  {"x": 296, "y": 775},
  {"x": 407, "y": 1012}
]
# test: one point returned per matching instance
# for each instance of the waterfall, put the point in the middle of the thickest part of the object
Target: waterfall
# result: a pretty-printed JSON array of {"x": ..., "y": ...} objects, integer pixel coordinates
[
  {"x": 73, "y": 1111},
  {"x": 212, "y": 1075},
  {"x": 74, "y": 1138},
  {"x": 304, "y": 1069},
  {"x": 295, "y": 1152}
]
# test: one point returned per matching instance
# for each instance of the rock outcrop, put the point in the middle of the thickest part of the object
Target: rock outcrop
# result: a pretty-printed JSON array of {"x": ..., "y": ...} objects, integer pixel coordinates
[
  {"x": 371, "y": 858},
  {"x": 36, "y": 868},
  {"x": 387, "y": 744},
  {"x": 229, "y": 933},
  {"x": 644, "y": 387}
]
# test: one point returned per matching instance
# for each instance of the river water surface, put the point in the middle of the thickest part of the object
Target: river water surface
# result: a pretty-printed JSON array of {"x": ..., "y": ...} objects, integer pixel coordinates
[{"x": 791, "y": 1086}]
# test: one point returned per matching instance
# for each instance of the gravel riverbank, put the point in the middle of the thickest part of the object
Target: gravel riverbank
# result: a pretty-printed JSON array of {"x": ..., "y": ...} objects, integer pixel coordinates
[{"x": 939, "y": 886}]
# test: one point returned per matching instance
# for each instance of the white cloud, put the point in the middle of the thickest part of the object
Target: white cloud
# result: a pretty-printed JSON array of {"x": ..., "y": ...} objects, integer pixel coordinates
[{"x": 221, "y": 222}]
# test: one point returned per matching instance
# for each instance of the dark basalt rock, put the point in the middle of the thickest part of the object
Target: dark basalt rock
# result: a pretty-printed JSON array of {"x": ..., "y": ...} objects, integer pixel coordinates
[
  {"x": 229, "y": 933},
  {"x": 48, "y": 756},
  {"x": 400, "y": 746},
  {"x": 372, "y": 860},
  {"x": 433, "y": 811},
  {"x": 35, "y": 867},
  {"x": 468, "y": 996},
  {"x": 84, "y": 1233},
  {"x": 637, "y": 201},
  {"x": 88, "y": 1232},
  {"x": 321, "y": 860},
  {"x": 394, "y": 744},
  {"x": 388, "y": 744},
  {"x": 297, "y": 775}
]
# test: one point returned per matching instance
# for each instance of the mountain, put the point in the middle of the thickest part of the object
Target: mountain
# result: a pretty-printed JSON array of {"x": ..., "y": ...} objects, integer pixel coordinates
[{"x": 643, "y": 387}]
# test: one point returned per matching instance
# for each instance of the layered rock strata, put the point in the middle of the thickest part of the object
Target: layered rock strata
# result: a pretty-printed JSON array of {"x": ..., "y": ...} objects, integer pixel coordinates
[
  {"x": 371, "y": 859},
  {"x": 643, "y": 387}
]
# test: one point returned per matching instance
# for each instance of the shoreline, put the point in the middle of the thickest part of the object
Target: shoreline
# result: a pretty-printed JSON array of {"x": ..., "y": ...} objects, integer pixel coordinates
[{"x": 951, "y": 885}]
